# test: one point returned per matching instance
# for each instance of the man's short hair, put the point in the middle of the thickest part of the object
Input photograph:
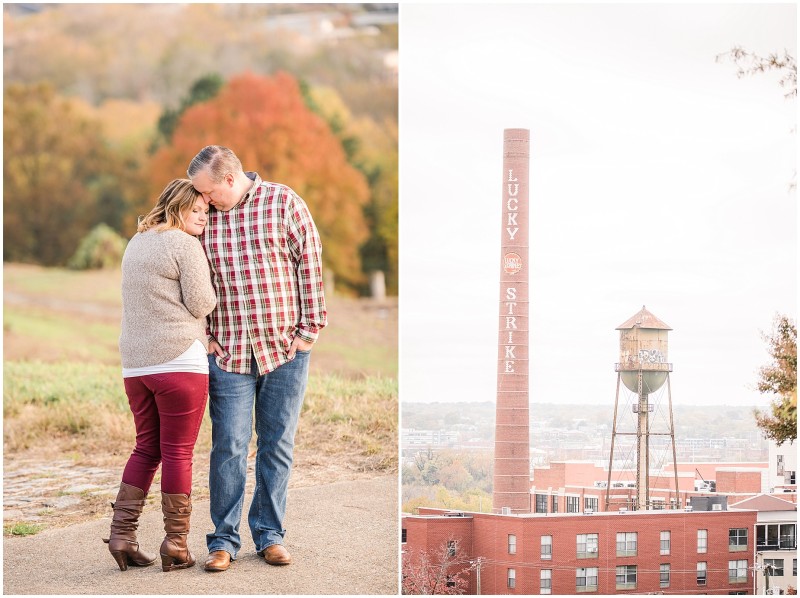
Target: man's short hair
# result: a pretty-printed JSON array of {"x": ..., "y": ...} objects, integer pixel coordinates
[{"x": 217, "y": 159}]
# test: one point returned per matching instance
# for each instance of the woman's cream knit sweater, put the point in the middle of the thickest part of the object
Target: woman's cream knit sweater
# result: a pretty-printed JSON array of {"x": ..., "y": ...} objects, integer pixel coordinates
[{"x": 166, "y": 296}]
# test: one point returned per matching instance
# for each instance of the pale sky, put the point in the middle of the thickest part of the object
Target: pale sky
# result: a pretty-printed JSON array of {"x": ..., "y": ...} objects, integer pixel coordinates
[{"x": 658, "y": 178}]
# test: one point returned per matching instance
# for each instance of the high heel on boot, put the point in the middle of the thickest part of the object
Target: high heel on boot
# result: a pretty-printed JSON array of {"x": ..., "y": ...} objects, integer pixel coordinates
[
  {"x": 122, "y": 543},
  {"x": 177, "y": 510}
]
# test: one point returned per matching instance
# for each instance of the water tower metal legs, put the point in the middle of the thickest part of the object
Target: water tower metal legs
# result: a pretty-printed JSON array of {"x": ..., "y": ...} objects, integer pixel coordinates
[
  {"x": 642, "y": 449},
  {"x": 643, "y": 434},
  {"x": 613, "y": 441}
]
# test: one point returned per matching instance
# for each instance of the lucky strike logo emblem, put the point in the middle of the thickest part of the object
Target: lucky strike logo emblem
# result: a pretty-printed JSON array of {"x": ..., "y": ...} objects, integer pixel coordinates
[{"x": 512, "y": 263}]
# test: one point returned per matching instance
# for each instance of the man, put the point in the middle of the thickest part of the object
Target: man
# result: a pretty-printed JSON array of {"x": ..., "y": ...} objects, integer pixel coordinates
[{"x": 265, "y": 257}]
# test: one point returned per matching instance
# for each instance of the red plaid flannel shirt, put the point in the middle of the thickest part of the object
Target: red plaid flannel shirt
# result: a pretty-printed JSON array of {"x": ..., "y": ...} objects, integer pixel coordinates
[{"x": 266, "y": 267}]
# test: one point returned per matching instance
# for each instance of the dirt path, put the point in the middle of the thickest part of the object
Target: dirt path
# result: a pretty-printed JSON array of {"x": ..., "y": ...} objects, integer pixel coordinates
[{"x": 56, "y": 492}]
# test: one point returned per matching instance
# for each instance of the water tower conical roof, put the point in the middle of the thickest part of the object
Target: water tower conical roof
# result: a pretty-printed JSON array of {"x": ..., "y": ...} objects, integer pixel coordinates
[{"x": 643, "y": 319}]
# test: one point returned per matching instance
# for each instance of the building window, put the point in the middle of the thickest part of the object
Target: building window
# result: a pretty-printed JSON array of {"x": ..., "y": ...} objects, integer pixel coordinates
[
  {"x": 554, "y": 504},
  {"x": 794, "y": 567},
  {"x": 512, "y": 544},
  {"x": 775, "y": 535},
  {"x": 450, "y": 583},
  {"x": 404, "y": 536},
  {"x": 547, "y": 547},
  {"x": 587, "y": 546},
  {"x": 657, "y": 504},
  {"x": 451, "y": 548},
  {"x": 586, "y": 579},
  {"x": 665, "y": 542},
  {"x": 626, "y": 544},
  {"x": 701, "y": 573},
  {"x": 780, "y": 466},
  {"x": 590, "y": 504},
  {"x": 573, "y": 504},
  {"x": 774, "y": 567},
  {"x": 702, "y": 540},
  {"x": 512, "y": 578},
  {"x": 626, "y": 577},
  {"x": 737, "y": 571},
  {"x": 663, "y": 572},
  {"x": 541, "y": 503},
  {"x": 737, "y": 539},
  {"x": 545, "y": 581}
]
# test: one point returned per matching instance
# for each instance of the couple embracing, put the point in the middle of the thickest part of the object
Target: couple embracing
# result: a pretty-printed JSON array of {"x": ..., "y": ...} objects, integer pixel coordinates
[{"x": 222, "y": 299}]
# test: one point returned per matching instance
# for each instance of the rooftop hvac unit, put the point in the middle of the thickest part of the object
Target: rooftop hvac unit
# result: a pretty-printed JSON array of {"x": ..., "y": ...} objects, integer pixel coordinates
[
  {"x": 623, "y": 510},
  {"x": 688, "y": 508},
  {"x": 588, "y": 511},
  {"x": 505, "y": 511},
  {"x": 716, "y": 507}
]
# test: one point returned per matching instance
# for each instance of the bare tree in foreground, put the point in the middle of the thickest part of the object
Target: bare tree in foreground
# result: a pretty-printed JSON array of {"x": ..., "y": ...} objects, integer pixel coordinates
[{"x": 438, "y": 571}]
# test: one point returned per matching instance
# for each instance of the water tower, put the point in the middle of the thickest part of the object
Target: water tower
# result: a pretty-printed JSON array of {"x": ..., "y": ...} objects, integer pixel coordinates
[{"x": 643, "y": 369}]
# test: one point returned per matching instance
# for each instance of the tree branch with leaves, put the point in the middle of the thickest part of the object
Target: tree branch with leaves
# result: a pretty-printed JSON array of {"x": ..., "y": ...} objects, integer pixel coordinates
[
  {"x": 780, "y": 378},
  {"x": 750, "y": 63}
]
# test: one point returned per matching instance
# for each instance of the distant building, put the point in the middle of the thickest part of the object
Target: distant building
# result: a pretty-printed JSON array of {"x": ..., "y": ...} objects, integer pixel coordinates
[
  {"x": 782, "y": 472},
  {"x": 574, "y": 486},
  {"x": 416, "y": 439}
]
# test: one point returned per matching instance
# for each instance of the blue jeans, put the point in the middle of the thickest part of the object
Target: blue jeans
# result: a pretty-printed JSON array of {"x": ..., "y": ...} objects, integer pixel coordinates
[{"x": 278, "y": 399}]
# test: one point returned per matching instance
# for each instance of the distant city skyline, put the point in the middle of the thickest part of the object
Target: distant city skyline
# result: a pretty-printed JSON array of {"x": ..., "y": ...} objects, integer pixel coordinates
[{"x": 657, "y": 178}]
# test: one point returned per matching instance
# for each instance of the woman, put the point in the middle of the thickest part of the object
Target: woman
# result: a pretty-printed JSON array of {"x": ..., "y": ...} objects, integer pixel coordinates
[{"x": 166, "y": 296}]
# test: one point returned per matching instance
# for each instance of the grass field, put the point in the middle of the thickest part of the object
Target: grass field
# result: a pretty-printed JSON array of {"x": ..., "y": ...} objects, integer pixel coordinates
[{"x": 64, "y": 397}]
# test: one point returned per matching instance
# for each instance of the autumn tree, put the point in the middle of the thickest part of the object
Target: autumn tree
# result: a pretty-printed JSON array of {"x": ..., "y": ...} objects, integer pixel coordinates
[
  {"x": 779, "y": 378},
  {"x": 438, "y": 571},
  {"x": 51, "y": 156},
  {"x": 371, "y": 147},
  {"x": 265, "y": 121}
]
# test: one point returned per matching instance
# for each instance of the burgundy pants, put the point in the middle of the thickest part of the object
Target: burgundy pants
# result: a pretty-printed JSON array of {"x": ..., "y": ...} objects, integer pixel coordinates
[{"x": 167, "y": 410}]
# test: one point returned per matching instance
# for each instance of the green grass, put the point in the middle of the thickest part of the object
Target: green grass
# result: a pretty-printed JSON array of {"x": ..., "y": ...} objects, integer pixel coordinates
[
  {"x": 22, "y": 529},
  {"x": 75, "y": 338},
  {"x": 364, "y": 358},
  {"x": 98, "y": 286}
]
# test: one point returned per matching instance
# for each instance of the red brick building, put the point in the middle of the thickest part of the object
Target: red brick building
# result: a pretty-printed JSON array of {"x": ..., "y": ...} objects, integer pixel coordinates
[{"x": 669, "y": 552}]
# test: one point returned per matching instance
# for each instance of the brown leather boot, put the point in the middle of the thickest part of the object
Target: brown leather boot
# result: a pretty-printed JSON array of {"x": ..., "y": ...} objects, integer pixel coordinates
[
  {"x": 177, "y": 509},
  {"x": 122, "y": 544}
]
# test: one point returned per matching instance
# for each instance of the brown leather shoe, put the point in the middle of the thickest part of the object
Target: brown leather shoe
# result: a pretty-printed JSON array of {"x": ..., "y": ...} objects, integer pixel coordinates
[
  {"x": 277, "y": 555},
  {"x": 218, "y": 560}
]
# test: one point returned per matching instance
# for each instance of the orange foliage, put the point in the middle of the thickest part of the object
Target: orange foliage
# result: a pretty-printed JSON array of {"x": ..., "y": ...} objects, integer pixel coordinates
[{"x": 265, "y": 121}]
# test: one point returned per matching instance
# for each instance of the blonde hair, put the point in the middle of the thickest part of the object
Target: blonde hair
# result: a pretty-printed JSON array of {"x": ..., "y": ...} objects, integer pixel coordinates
[
  {"x": 177, "y": 198},
  {"x": 218, "y": 160}
]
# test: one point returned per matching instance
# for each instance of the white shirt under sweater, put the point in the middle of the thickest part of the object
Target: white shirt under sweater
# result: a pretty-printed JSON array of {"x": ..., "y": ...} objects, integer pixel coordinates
[{"x": 194, "y": 360}]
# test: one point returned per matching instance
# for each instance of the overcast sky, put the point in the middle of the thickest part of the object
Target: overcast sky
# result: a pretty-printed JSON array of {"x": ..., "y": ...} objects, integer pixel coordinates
[{"x": 658, "y": 178}]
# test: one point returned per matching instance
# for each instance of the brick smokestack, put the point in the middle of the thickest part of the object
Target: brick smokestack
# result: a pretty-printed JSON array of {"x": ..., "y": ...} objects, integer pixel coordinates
[{"x": 511, "y": 438}]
